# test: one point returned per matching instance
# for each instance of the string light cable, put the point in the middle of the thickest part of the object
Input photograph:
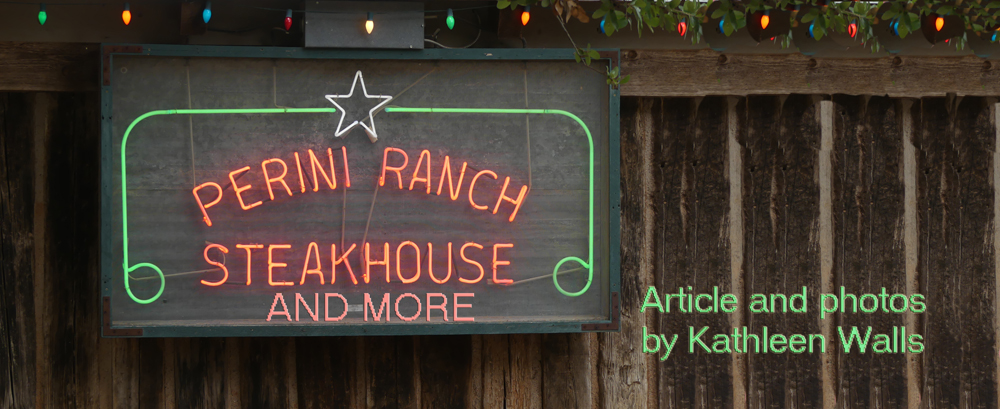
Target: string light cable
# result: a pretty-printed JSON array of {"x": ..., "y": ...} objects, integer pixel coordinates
[{"x": 474, "y": 41}]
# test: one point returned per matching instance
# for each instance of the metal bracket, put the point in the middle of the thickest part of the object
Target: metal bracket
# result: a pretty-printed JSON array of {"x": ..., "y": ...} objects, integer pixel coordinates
[
  {"x": 117, "y": 49},
  {"x": 615, "y": 323},
  {"x": 116, "y": 332}
]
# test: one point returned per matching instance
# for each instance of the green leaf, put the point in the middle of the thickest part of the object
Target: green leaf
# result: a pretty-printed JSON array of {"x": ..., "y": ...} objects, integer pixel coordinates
[
  {"x": 719, "y": 12},
  {"x": 810, "y": 16},
  {"x": 502, "y": 4},
  {"x": 993, "y": 5},
  {"x": 576, "y": 55},
  {"x": 945, "y": 10},
  {"x": 599, "y": 13},
  {"x": 888, "y": 15},
  {"x": 625, "y": 79},
  {"x": 593, "y": 53}
]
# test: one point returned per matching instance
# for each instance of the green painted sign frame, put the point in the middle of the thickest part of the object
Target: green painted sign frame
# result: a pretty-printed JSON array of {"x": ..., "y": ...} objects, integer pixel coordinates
[{"x": 109, "y": 266}]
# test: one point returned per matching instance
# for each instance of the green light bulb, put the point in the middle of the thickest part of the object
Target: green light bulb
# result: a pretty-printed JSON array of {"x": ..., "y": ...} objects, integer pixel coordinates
[
  {"x": 42, "y": 15},
  {"x": 450, "y": 20}
]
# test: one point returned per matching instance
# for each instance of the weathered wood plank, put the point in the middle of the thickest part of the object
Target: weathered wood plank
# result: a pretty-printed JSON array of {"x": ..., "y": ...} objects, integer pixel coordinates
[
  {"x": 766, "y": 372},
  {"x": 783, "y": 139},
  {"x": 325, "y": 368},
  {"x": 266, "y": 373},
  {"x": 496, "y": 369},
  {"x": 706, "y": 72},
  {"x": 567, "y": 369},
  {"x": 524, "y": 386},
  {"x": 17, "y": 300},
  {"x": 673, "y": 122},
  {"x": 975, "y": 142},
  {"x": 629, "y": 379},
  {"x": 66, "y": 67},
  {"x": 125, "y": 375},
  {"x": 738, "y": 245},
  {"x": 444, "y": 370},
  {"x": 151, "y": 368},
  {"x": 869, "y": 219},
  {"x": 199, "y": 369},
  {"x": 798, "y": 211}
]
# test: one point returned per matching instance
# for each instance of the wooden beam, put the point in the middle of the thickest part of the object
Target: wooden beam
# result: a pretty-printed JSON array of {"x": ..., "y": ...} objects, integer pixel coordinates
[
  {"x": 64, "y": 67},
  {"x": 660, "y": 73}
]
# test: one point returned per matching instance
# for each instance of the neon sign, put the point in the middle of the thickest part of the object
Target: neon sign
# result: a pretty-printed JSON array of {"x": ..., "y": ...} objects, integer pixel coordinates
[{"x": 459, "y": 231}]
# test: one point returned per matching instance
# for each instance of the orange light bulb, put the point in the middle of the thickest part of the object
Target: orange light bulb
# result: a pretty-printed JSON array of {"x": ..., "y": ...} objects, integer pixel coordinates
[
  {"x": 764, "y": 21},
  {"x": 126, "y": 15},
  {"x": 939, "y": 23},
  {"x": 525, "y": 15}
]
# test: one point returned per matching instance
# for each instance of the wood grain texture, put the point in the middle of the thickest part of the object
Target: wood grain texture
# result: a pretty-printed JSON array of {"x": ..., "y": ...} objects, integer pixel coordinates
[
  {"x": 524, "y": 386},
  {"x": 956, "y": 145},
  {"x": 444, "y": 370},
  {"x": 567, "y": 367},
  {"x": 17, "y": 331},
  {"x": 868, "y": 212},
  {"x": 325, "y": 368},
  {"x": 65, "y": 67},
  {"x": 706, "y": 72},
  {"x": 266, "y": 373},
  {"x": 629, "y": 378},
  {"x": 939, "y": 203},
  {"x": 496, "y": 369}
]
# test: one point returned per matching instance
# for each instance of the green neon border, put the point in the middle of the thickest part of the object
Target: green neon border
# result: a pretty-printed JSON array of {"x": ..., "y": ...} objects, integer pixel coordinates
[{"x": 613, "y": 183}]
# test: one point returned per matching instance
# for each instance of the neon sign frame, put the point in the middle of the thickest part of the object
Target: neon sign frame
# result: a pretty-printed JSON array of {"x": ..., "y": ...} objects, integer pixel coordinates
[{"x": 108, "y": 265}]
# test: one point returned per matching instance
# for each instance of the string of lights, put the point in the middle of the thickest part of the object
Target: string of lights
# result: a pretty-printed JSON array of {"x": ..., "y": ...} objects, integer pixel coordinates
[{"x": 206, "y": 15}]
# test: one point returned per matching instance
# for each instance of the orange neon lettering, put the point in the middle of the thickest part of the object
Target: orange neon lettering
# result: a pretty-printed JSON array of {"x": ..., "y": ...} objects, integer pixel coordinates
[
  {"x": 313, "y": 250},
  {"x": 300, "y": 300},
  {"x": 271, "y": 264},
  {"x": 369, "y": 262},
  {"x": 399, "y": 273},
  {"x": 248, "y": 247},
  {"x": 454, "y": 314},
  {"x": 503, "y": 196},
  {"x": 269, "y": 180},
  {"x": 385, "y": 160},
  {"x": 426, "y": 180},
  {"x": 347, "y": 171},
  {"x": 472, "y": 188},
  {"x": 453, "y": 190},
  {"x": 384, "y": 306},
  {"x": 298, "y": 165},
  {"x": 239, "y": 189},
  {"x": 284, "y": 307},
  {"x": 500, "y": 263},
  {"x": 443, "y": 307},
  {"x": 326, "y": 311},
  {"x": 430, "y": 264},
  {"x": 342, "y": 259},
  {"x": 331, "y": 179},
  {"x": 419, "y": 307},
  {"x": 205, "y": 207},
  {"x": 225, "y": 271},
  {"x": 482, "y": 272}
]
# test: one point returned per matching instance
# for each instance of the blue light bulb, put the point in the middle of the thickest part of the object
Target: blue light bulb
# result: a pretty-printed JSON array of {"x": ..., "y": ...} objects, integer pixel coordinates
[
  {"x": 207, "y": 13},
  {"x": 811, "y": 26},
  {"x": 602, "y": 25}
]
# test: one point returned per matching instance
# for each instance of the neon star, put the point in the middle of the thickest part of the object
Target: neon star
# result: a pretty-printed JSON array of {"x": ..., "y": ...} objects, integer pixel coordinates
[{"x": 371, "y": 113}]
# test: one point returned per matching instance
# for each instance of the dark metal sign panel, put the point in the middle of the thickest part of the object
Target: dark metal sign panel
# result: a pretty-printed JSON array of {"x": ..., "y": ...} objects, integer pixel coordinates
[{"x": 271, "y": 192}]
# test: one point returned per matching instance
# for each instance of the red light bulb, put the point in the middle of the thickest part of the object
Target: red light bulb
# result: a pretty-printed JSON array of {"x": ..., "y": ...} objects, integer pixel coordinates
[
  {"x": 852, "y": 29},
  {"x": 288, "y": 20},
  {"x": 682, "y": 28}
]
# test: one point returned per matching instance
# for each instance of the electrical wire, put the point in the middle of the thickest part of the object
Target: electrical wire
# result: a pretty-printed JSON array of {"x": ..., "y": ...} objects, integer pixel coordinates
[{"x": 479, "y": 23}]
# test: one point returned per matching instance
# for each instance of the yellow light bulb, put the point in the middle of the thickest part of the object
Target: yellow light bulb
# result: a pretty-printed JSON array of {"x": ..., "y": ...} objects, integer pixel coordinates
[{"x": 370, "y": 24}]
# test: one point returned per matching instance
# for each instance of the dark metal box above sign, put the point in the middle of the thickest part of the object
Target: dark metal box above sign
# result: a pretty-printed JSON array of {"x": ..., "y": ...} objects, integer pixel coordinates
[
  {"x": 341, "y": 24},
  {"x": 257, "y": 192}
]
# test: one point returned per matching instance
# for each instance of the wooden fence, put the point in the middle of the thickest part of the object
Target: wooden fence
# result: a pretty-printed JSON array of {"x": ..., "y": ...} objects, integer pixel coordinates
[{"x": 756, "y": 194}]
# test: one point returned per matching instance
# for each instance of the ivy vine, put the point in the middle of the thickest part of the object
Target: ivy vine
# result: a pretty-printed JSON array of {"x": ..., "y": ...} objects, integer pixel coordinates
[{"x": 823, "y": 17}]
